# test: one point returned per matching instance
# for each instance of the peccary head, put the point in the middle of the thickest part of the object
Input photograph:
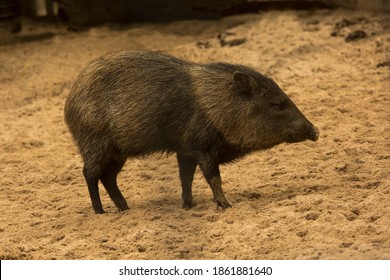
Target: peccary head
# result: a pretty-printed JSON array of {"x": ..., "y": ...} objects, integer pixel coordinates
[
  {"x": 271, "y": 113},
  {"x": 256, "y": 114}
]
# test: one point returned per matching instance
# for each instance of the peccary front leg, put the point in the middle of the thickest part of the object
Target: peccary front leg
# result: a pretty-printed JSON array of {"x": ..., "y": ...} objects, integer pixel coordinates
[
  {"x": 187, "y": 166},
  {"x": 210, "y": 170}
]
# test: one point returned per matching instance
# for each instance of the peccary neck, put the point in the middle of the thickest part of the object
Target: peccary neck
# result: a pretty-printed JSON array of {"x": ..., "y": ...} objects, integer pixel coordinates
[
  {"x": 226, "y": 152},
  {"x": 214, "y": 95}
]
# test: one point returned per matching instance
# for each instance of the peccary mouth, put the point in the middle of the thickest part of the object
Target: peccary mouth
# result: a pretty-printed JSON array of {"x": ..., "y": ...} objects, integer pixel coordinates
[
  {"x": 292, "y": 139},
  {"x": 313, "y": 135}
]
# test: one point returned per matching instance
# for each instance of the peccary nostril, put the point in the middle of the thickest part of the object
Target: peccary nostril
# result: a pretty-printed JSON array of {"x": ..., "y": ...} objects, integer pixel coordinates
[{"x": 315, "y": 134}]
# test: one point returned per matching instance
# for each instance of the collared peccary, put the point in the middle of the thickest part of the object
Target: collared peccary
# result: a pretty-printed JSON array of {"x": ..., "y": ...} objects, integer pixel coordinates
[{"x": 130, "y": 104}]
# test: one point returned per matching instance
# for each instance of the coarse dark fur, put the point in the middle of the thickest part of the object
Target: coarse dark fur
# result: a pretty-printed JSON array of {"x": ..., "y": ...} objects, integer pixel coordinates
[{"x": 130, "y": 104}]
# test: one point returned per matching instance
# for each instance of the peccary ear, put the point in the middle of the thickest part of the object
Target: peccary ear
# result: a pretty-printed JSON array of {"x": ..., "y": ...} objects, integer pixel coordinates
[{"x": 244, "y": 84}]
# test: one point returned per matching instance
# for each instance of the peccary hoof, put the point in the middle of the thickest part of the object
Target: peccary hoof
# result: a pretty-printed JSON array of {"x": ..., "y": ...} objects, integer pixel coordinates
[
  {"x": 122, "y": 205},
  {"x": 124, "y": 208},
  {"x": 187, "y": 205},
  {"x": 99, "y": 211},
  {"x": 223, "y": 205}
]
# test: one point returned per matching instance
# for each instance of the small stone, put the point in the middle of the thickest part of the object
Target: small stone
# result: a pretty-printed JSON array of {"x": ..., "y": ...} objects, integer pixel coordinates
[
  {"x": 350, "y": 216},
  {"x": 373, "y": 218},
  {"x": 346, "y": 244},
  {"x": 356, "y": 211},
  {"x": 312, "y": 216},
  {"x": 302, "y": 233},
  {"x": 356, "y": 35}
]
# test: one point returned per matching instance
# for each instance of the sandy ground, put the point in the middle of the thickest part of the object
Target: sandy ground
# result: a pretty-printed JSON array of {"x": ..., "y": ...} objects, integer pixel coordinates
[{"x": 323, "y": 200}]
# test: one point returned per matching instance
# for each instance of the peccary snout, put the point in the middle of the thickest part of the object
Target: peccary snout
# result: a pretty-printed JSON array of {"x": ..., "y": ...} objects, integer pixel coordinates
[
  {"x": 315, "y": 134},
  {"x": 305, "y": 131},
  {"x": 131, "y": 104}
]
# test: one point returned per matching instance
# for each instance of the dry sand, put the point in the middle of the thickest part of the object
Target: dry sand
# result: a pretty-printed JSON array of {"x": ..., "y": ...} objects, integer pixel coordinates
[{"x": 323, "y": 200}]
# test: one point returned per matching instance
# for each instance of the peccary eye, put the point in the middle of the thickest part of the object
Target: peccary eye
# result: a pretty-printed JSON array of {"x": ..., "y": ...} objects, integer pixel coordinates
[{"x": 279, "y": 106}]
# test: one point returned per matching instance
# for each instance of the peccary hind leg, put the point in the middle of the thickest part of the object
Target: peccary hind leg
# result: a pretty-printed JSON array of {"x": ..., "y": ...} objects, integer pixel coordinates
[
  {"x": 187, "y": 166},
  {"x": 92, "y": 179},
  {"x": 210, "y": 171},
  {"x": 109, "y": 180}
]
